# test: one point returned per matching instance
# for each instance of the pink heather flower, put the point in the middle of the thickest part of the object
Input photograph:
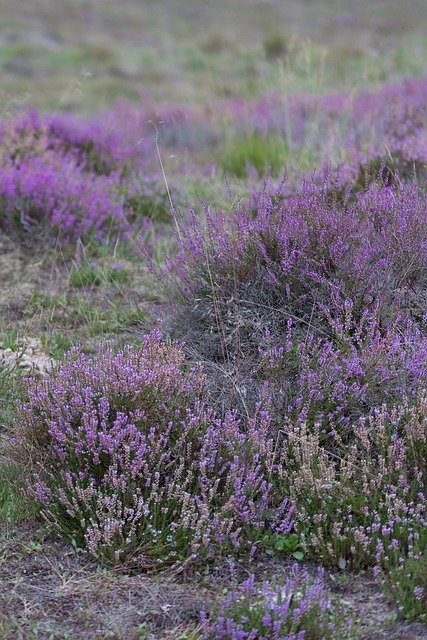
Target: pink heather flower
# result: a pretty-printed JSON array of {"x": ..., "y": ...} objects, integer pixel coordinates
[{"x": 136, "y": 460}]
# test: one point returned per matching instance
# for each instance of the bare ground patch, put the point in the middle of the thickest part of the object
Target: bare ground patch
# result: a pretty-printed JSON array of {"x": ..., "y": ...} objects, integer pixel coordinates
[{"x": 52, "y": 591}]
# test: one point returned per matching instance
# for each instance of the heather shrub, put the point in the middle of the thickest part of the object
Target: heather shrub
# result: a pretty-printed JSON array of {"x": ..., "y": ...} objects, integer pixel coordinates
[
  {"x": 406, "y": 580},
  {"x": 102, "y": 150},
  {"x": 319, "y": 297},
  {"x": 390, "y": 122},
  {"x": 54, "y": 193},
  {"x": 129, "y": 463},
  {"x": 94, "y": 145},
  {"x": 298, "y": 608},
  {"x": 400, "y": 165},
  {"x": 362, "y": 504},
  {"x": 345, "y": 128},
  {"x": 74, "y": 178}
]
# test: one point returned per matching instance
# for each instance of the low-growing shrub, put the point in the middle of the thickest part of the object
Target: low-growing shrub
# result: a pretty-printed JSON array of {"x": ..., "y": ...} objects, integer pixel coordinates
[
  {"x": 406, "y": 579},
  {"x": 344, "y": 127},
  {"x": 130, "y": 464},
  {"x": 400, "y": 165},
  {"x": 93, "y": 145},
  {"x": 54, "y": 193},
  {"x": 321, "y": 298},
  {"x": 74, "y": 179},
  {"x": 299, "y": 608},
  {"x": 363, "y": 504}
]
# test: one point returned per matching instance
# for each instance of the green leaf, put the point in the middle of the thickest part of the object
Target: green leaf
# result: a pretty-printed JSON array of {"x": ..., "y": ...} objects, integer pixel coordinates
[
  {"x": 280, "y": 543},
  {"x": 298, "y": 555}
]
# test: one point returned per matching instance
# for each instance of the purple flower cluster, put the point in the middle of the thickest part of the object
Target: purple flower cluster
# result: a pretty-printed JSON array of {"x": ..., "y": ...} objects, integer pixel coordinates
[
  {"x": 351, "y": 129},
  {"x": 296, "y": 609},
  {"x": 307, "y": 305},
  {"x": 73, "y": 177},
  {"x": 97, "y": 145},
  {"x": 323, "y": 298},
  {"x": 131, "y": 463},
  {"x": 56, "y": 192},
  {"x": 366, "y": 505}
]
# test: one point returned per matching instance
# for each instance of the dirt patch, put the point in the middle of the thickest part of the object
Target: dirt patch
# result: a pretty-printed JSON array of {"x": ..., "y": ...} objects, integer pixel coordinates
[{"x": 52, "y": 591}]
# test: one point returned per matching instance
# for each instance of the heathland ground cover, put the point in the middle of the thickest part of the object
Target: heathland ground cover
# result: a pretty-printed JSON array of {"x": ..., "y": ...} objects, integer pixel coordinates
[{"x": 213, "y": 329}]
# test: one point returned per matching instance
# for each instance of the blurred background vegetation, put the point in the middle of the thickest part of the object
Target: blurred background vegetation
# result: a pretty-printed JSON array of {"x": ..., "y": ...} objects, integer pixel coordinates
[{"x": 82, "y": 55}]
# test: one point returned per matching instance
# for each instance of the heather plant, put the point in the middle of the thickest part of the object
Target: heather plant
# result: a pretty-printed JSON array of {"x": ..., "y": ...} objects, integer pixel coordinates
[
  {"x": 297, "y": 608},
  {"x": 54, "y": 193},
  {"x": 312, "y": 301},
  {"x": 95, "y": 145},
  {"x": 346, "y": 128},
  {"x": 319, "y": 297},
  {"x": 394, "y": 167},
  {"x": 74, "y": 178},
  {"x": 363, "y": 504},
  {"x": 130, "y": 464},
  {"x": 405, "y": 582},
  {"x": 100, "y": 149}
]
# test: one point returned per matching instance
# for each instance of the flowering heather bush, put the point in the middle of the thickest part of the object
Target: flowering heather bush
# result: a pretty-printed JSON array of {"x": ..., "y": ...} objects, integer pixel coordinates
[
  {"x": 365, "y": 504},
  {"x": 297, "y": 609},
  {"x": 316, "y": 302},
  {"x": 130, "y": 464},
  {"x": 401, "y": 162},
  {"x": 95, "y": 145},
  {"x": 76, "y": 178},
  {"x": 406, "y": 579},
  {"x": 56, "y": 193},
  {"x": 100, "y": 150},
  {"x": 321, "y": 298},
  {"x": 347, "y": 128}
]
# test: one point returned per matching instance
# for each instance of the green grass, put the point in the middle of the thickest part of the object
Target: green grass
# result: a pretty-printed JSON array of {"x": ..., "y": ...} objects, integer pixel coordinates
[
  {"x": 262, "y": 153},
  {"x": 87, "y": 275},
  {"x": 9, "y": 339},
  {"x": 14, "y": 504},
  {"x": 254, "y": 151},
  {"x": 80, "y": 315}
]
